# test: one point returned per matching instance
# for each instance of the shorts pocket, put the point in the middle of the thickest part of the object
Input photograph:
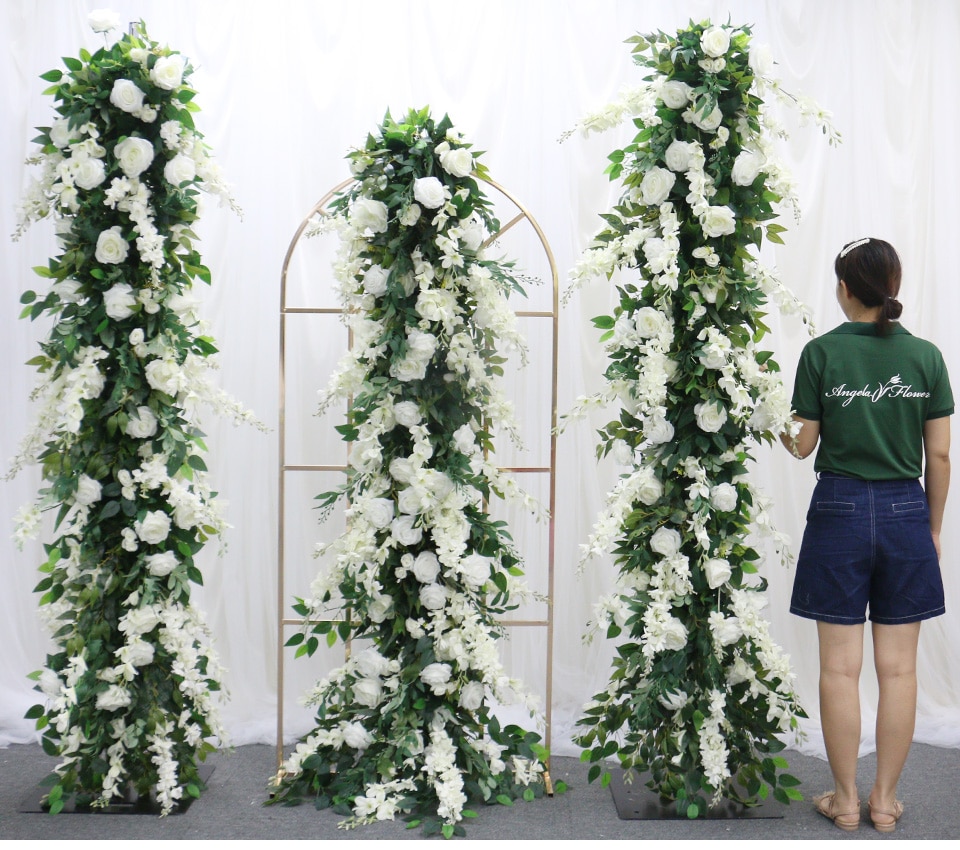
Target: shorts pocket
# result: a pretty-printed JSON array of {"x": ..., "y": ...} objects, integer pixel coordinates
[
  {"x": 835, "y": 507},
  {"x": 909, "y": 507}
]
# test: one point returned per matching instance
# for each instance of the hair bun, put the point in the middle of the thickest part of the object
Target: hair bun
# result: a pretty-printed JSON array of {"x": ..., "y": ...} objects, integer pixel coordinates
[{"x": 892, "y": 308}]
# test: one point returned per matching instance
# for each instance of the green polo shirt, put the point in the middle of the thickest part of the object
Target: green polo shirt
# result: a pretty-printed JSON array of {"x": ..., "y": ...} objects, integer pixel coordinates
[{"x": 871, "y": 395}]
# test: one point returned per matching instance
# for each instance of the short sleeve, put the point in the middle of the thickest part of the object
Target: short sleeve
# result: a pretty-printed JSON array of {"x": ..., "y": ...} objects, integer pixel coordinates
[
  {"x": 941, "y": 396},
  {"x": 806, "y": 401}
]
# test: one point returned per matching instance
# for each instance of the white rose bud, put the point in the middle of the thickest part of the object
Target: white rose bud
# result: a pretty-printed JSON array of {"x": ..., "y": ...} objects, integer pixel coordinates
[
  {"x": 167, "y": 73},
  {"x": 715, "y": 41},
  {"x": 153, "y": 528},
  {"x": 126, "y": 96},
  {"x": 134, "y": 155},
  {"x": 180, "y": 169},
  {"x": 162, "y": 564},
  {"x": 708, "y": 123},
  {"x": 368, "y": 214},
  {"x": 88, "y": 491},
  {"x": 111, "y": 246},
  {"x": 458, "y": 162},
  {"x": 710, "y": 416},
  {"x": 656, "y": 186},
  {"x": 429, "y": 191},
  {"x": 143, "y": 425},
  {"x": 666, "y": 541},
  {"x": 119, "y": 301},
  {"x": 717, "y": 571}
]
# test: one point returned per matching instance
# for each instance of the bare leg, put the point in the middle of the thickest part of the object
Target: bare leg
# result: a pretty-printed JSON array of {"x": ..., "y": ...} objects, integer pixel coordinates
[
  {"x": 841, "y": 657},
  {"x": 895, "y": 654}
]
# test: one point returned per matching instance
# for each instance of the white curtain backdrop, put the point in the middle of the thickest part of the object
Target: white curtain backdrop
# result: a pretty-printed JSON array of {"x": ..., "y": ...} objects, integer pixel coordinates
[{"x": 289, "y": 86}]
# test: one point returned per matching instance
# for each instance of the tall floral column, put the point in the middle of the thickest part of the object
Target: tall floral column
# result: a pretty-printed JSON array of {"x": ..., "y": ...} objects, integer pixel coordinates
[
  {"x": 699, "y": 694},
  {"x": 423, "y": 572},
  {"x": 131, "y": 684}
]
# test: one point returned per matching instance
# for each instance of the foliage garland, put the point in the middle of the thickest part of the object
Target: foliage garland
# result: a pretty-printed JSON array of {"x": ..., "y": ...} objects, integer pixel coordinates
[
  {"x": 423, "y": 572},
  {"x": 131, "y": 684},
  {"x": 699, "y": 693}
]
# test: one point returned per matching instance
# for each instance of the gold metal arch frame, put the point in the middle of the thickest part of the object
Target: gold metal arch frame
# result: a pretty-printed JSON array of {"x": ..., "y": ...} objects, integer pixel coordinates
[{"x": 284, "y": 622}]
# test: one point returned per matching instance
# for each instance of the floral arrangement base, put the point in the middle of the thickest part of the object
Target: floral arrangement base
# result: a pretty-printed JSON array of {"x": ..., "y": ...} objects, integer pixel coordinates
[
  {"x": 128, "y": 803},
  {"x": 636, "y": 801}
]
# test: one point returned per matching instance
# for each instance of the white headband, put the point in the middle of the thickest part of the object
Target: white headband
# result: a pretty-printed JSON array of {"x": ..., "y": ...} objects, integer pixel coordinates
[{"x": 853, "y": 245}]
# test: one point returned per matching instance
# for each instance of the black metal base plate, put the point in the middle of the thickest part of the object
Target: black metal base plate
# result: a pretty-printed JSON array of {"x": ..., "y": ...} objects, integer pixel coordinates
[
  {"x": 131, "y": 804},
  {"x": 634, "y": 801}
]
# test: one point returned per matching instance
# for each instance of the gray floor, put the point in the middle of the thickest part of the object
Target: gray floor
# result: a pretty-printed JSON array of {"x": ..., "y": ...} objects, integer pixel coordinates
[{"x": 232, "y": 807}]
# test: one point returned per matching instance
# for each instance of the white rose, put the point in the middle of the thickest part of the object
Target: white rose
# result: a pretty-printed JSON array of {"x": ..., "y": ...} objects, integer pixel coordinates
[
  {"x": 103, "y": 20},
  {"x": 674, "y": 700},
  {"x": 136, "y": 337},
  {"x": 134, "y": 155},
  {"x": 674, "y": 634},
  {"x": 164, "y": 376},
  {"x": 410, "y": 216},
  {"x": 188, "y": 514},
  {"x": 143, "y": 425},
  {"x": 50, "y": 683},
  {"x": 70, "y": 198},
  {"x": 471, "y": 696},
  {"x": 375, "y": 280},
  {"x": 746, "y": 167},
  {"x": 367, "y": 692},
  {"x": 168, "y": 72},
  {"x": 379, "y": 512},
  {"x": 405, "y": 532},
  {"x": 718, "y": 221},
  {"x": 356, "y": 737},
  {"x": 649, "y": 322},
  {"x": 465, "y": 440},
  {"x": 161, "y": 564},
  {"x": 113, "y": 698},
  {"x": 475, "y": 570},
  {"x": 180, "y": 169},
  {"x": 89, "y": 173},
  {"x": 421, "y": 345},
  {"x": 433, "y": 597},
  {"x": 60, "y": 133},
  {"x": 678, "y": 155},
  {"x": 458, "y": 162},
  {"x": 378, "y": 610},
  {"x": 761, "y": 60},
  {"x": 368, "y": 214},
  {"x": 370, "y": 664},
  {"x": 707, "y": 123},
  {"x": 723, "y": 497},
  {"x": 426, "y": 567},
  {"x": 656, "y": 186},
  {"x": 726, "y": 630},
  {"x": 666, "y": 541},
  {"x": 715, "y": 41},
  {"x": 713, "y": 356},
  {"x": 88, "y": 491},
  {"x": 139, "y": 653},
  {"x": 713, "y": 66},
  {"x": 139, "y": 621},
  {"x": 658, "y": 430},
  {"x": 119, "y": 301},
  {"x": 407, "y": 413},
  {"x": 401, "y": 469},
  {"x": 111, "y": 246},
  {"x": 126, "y": 96},
  {"x": 153, "y": 528},
  {"x": 675, "y": 94},
  {"x": 651, "y": 489},
  {"x": 717, "y": 571},
  {"x": 473, "y": 233},
  {"x": 429, "y": 191},
  {"x": 435, "y": 676},
  {"x": 409, "y": 369},
  {"x": 710, "y": 416}
]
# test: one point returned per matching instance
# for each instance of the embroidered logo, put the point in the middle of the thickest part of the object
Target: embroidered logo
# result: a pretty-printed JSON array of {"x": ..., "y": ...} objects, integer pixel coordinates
[{"x": 894, "y": 388}]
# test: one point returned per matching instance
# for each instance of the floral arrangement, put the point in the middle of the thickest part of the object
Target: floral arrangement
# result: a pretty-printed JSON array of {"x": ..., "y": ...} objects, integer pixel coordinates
[
  {"x": 131, "y": 685},
  {"x": 423, "y": 573},
  {"x": 699, "y": 693}
]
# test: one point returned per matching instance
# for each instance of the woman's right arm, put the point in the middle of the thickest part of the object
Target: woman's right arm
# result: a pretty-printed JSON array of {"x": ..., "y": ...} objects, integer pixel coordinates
[
  {"x": 806, "y": 439},
  {"x": 936, "y": 449}
]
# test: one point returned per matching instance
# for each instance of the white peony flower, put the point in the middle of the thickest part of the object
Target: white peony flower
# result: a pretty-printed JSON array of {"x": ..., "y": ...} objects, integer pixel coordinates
[
  {"x": 746, "y": 167},
  {"x": 153, "y": 528},
  {"x": 717, "y": 571},
  {"x": 126, "y": 96},
  {"x": 433, "y": 597},
  {"x": 666, "y": 541},
  {"x": 180, "y": 169},
  {"x": 718, "y": 221},
  {"x": 368, "y": 692},
  {"x": 368, "y": 214},
  {"x": 103, "y": 20},
  {"x": 134, "y": 155},
  {"x": 715, "y": 42},
  {"x": 675, "y": 94},
  {"x": 426, "y": 567},
  {"x": 119, "y": 301},
  {"x": 429, "y": 191},
  {"x": 161, "y": 564},
  {"x": 111, "y": 246},
  {"x": 458, "y": 162},
  {"x": 656, "y": 186},
  {"x": 723, "y": 497},
  {"x": 88, "y": 491},
  {"x": 711, "y": 416},
  {"x": 167, "y": 73}
]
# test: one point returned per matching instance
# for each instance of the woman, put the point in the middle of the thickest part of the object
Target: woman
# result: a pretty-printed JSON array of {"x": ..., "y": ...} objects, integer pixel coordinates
[{"x": 878, "y": 401}]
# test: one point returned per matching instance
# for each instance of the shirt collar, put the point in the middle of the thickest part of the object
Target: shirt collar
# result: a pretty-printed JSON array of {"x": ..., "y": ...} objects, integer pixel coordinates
[{"x": 867, "y": 328}]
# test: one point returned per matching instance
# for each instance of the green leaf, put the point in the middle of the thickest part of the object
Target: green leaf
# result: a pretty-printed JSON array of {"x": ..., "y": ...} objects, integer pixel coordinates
[
  {"x": 447, "y": 830},
  {"x": 53, "y": 76},
  {"x": 504, "y": 800},
  {"x": 72, "y": 64}
]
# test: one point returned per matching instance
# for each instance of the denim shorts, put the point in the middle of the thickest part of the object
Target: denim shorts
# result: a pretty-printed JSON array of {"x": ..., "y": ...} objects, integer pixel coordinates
[{"x": 867, "y": 543}]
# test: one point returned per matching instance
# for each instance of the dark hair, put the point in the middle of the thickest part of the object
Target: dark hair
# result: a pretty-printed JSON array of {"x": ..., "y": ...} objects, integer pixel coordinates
[{"x": 871, "y": 270}]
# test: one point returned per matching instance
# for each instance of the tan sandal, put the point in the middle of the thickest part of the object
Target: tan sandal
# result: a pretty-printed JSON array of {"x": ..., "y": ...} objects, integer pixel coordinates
[
  {"x": 886, "y": 826},
  {"x": 847, "y": 821}
]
